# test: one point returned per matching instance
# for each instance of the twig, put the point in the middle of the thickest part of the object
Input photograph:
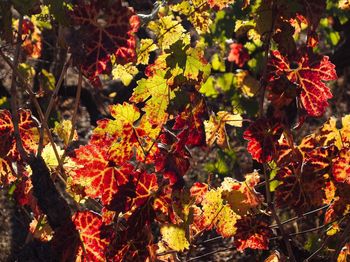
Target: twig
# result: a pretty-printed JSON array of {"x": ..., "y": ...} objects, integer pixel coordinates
[
  {"x": 343, "y": 239},
  {"x": 318, "y": 250},
  {"x": 301, "y": 216},
  {"x": 34, "y": 100},
  {"x": 14, "y": 105},
  {"x": 51, "y": 102},
  {"x": 75, "y": 113},
  {"x": 275, "y": 216},
  {"x": 208, "y": 254},
  {"x": 266, "y": 58}
]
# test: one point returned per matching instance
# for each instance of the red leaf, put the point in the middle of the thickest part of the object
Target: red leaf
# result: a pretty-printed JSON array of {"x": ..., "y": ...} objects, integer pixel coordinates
[
  {"x": 104, "y": 30},
  {"x": 263, "y": 135},
  {"x": 238, "y": 54},
  {"x": 28, "y": 131},
  {"x": 173, "y": 162},
  {"x": 252, "y": 232},
  {"x": 308, "y": 72},
  {"x": 100, "y": 177},
  {"x": 198, "y": 190},
  {"x": 299, "y": 190},
  {"x": 146, "y": 186},
  {"x": 88, "y": 225},
  {"x": 190, "y": 122}
]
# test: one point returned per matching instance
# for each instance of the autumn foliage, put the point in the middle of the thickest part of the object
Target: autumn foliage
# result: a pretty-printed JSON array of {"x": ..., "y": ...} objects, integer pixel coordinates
[{"x": 208, "y": 82}]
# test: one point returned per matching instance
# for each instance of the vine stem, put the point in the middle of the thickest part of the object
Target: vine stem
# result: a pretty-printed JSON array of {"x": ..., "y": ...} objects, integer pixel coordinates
[
  {"x": 51, "y": 102},
  {"x": 275, "y": 216},
  {"x": 261, "y": 114},
  {"x": 35, "y": 101},
  {"x": 75, "y": 113},
  {"x": 301, "y": 216},
  {"x": 14, "y": 104},
  {"x": 266, "y": 58}
]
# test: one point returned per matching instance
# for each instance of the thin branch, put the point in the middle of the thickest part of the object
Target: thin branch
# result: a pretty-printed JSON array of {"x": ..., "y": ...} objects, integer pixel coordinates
[
  {"x": 33, "y": 98},
  {"x": 14, "y": 104},
  {"x": 275, "y": 216},
  {"x": 75, "y": 113},
  {"x": 301, "y": 216},
  {"x": 51, "y": 102},
  {"x": 266, "y": 58},
  {"x": 208, "y": 254},
  {"x": 318, "y": 250},
  {"x": 343, "y": 239}
]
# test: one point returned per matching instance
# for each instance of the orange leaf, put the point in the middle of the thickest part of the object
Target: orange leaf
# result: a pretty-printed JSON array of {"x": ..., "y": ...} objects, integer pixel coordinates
[{"x": 93, "y": 247}]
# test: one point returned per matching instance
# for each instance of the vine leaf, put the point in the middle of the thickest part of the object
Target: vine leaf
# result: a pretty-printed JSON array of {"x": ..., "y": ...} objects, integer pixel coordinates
[
  {"x": 198, "y": 190},
  {"x": 125, "y": 73},
  {"x": 220, "y": 4},
  {"x": 101, "y": 30},
  {"x": 241, "y": 196},
  {"x": 330, "y": 134},
  {"x": 146, "y": 46},
  {"x": 7, "y": 174},
  {"x": 215, "y": 213},
  {"x": 93, "y": 247},
  {"x": 96, "y": 174},
  {"x": 186, "y": 61},
  {"x": 146, "y": 186},
  {"x": 252, "y": 232},
  {"x": 175, "y": 237},
  {"x": 308, "y": 72},
  {"x": 263, "y": 135},
  {"x": 127, "y": 134},
  {"x": 215, "y": 127},
  {"x": 168, "y": 29},
  {"x": 196, "y": 12},
  {"x": 28, "y": 130},
  {"x": 190, "y": 122},
  {"x": 157, "y": 90},
  {"x": 173, "y": 163},
  {"x": 238, "y": 54},
  {"x": 62, "y": 130},
  {"x": 341, "y": 166}
]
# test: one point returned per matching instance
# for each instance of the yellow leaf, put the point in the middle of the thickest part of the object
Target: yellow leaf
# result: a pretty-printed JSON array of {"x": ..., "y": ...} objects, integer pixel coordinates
[
  {"x": 63, "y": 129},
  {"x": 333, "y": 229},
  {"x": 146, "y": 46},
  {"x": 230, "y": 119},
  {"x": 344, "y": 4},
  {"x": 217, "y": 214},
  {"x": 50, "y": 158},
  {"x": 215, "y": 128},
  {"x": 241, "y": 196},
  {"x": 248, "y": 84},
  {"x": 157, "y": 94},
  {"x": 125, "y": 73},
  {"x": 217, "y": 63},
  {"x": 175, "y": 237},
  {"x": 329, "y": 134},
  {"x": 168, "y": 30}
]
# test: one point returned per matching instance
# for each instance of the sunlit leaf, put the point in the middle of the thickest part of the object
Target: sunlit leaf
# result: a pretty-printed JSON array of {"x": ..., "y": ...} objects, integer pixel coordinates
[
  {"x": 125, "y": 73},
  {"x": 175, "y": 237},
  {"x": 88, "y": 225},
  {"x": 215, "y": 127},
  {"x": 308, "y": 72},
  {"x": 102, "y": 29}
]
